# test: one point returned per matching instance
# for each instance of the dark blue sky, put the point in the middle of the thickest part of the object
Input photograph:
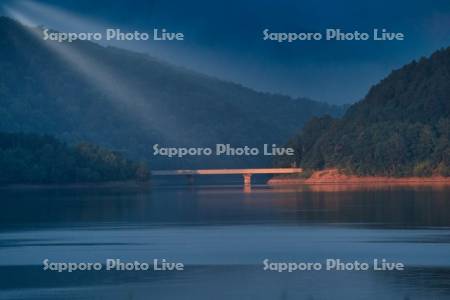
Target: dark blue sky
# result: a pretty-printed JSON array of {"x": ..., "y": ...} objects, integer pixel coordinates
[{"x": 224, "y": 38}]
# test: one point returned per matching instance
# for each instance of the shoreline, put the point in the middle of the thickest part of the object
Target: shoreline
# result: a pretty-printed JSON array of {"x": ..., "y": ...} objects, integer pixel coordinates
[
  {"x": 333, "y": 176},
  {"x": 107, "y": 184}
]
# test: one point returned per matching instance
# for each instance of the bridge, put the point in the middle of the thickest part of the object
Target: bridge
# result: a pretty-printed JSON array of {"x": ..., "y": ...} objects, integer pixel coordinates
[{"x": 246, "y": 173}]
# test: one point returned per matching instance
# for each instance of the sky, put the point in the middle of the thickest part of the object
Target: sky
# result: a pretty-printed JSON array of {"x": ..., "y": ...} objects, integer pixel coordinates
[{"x": 224, "y": 39}]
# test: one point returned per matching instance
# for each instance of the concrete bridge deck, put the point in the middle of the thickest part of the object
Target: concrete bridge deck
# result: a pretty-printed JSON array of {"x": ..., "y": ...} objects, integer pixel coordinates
[{"x": 247, "y": 173}]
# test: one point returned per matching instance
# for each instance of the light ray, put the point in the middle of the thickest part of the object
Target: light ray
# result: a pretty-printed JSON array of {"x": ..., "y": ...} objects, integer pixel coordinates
[{"x": 113, "y": 85}]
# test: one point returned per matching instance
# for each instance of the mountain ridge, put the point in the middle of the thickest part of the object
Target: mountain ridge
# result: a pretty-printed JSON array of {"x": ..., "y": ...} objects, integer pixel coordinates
[
  {"x": 126, "y": 100},
  {"x": 401, "y": 128}
]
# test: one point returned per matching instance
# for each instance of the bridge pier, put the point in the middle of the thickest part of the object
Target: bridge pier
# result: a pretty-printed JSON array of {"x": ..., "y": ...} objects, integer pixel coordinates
[
  {"x": 247, "y": 179},
  {"x": 246, "y": 173}
]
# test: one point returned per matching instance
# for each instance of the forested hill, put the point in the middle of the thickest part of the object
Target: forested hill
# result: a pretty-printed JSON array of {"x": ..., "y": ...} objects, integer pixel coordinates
[
  {"x": 401, "y": 128},
  {"x": 129, "y": 101},
  {"x": 418, "y": 92},
  {"x": 42, "y": 159}
]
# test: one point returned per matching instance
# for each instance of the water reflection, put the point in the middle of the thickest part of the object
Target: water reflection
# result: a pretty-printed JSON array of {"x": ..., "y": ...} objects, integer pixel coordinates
[
  {"x": 222, "y": 234},
  {"x": 390, "y": 206}
]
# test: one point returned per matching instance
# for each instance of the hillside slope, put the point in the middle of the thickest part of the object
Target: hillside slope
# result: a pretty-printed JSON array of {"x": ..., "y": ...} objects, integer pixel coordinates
[
  {"x": 401, "y": 128},
  {"x": 129, "y": 101},
  {"x": 42, "y": 159}
]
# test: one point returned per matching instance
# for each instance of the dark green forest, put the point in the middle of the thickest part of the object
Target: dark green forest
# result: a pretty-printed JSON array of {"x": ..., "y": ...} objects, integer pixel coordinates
[
  {"x": 42, "y": 159},
  {"x": 401, "y": 128},
  {"x": 129, "y": 101}
]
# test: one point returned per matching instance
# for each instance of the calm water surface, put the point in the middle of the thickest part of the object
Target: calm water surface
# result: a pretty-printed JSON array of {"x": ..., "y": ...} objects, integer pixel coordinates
[{"x": 222, "y": 234}]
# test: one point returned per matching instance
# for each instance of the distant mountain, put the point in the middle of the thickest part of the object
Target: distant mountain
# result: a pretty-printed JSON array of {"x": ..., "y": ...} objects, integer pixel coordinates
[
  {"x": 401, "y": 128},
  {"x": 129, "y": 101}
]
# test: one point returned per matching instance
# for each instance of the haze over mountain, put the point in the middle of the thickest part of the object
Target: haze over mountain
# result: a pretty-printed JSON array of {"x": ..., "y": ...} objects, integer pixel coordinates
[
  {"x": 225, "y": 39},
  {"x": 401, "y": 128},
  {"x": 129, "y": 101}
]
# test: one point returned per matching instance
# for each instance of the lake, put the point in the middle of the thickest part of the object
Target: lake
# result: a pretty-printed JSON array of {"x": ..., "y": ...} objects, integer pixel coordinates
[{"x": 222, "y": 235}]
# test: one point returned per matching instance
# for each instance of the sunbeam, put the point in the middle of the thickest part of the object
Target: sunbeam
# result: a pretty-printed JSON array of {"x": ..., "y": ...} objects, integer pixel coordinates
[
  {"x": 58, "y": 17},
  {"x": 119, "y": 90}
]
